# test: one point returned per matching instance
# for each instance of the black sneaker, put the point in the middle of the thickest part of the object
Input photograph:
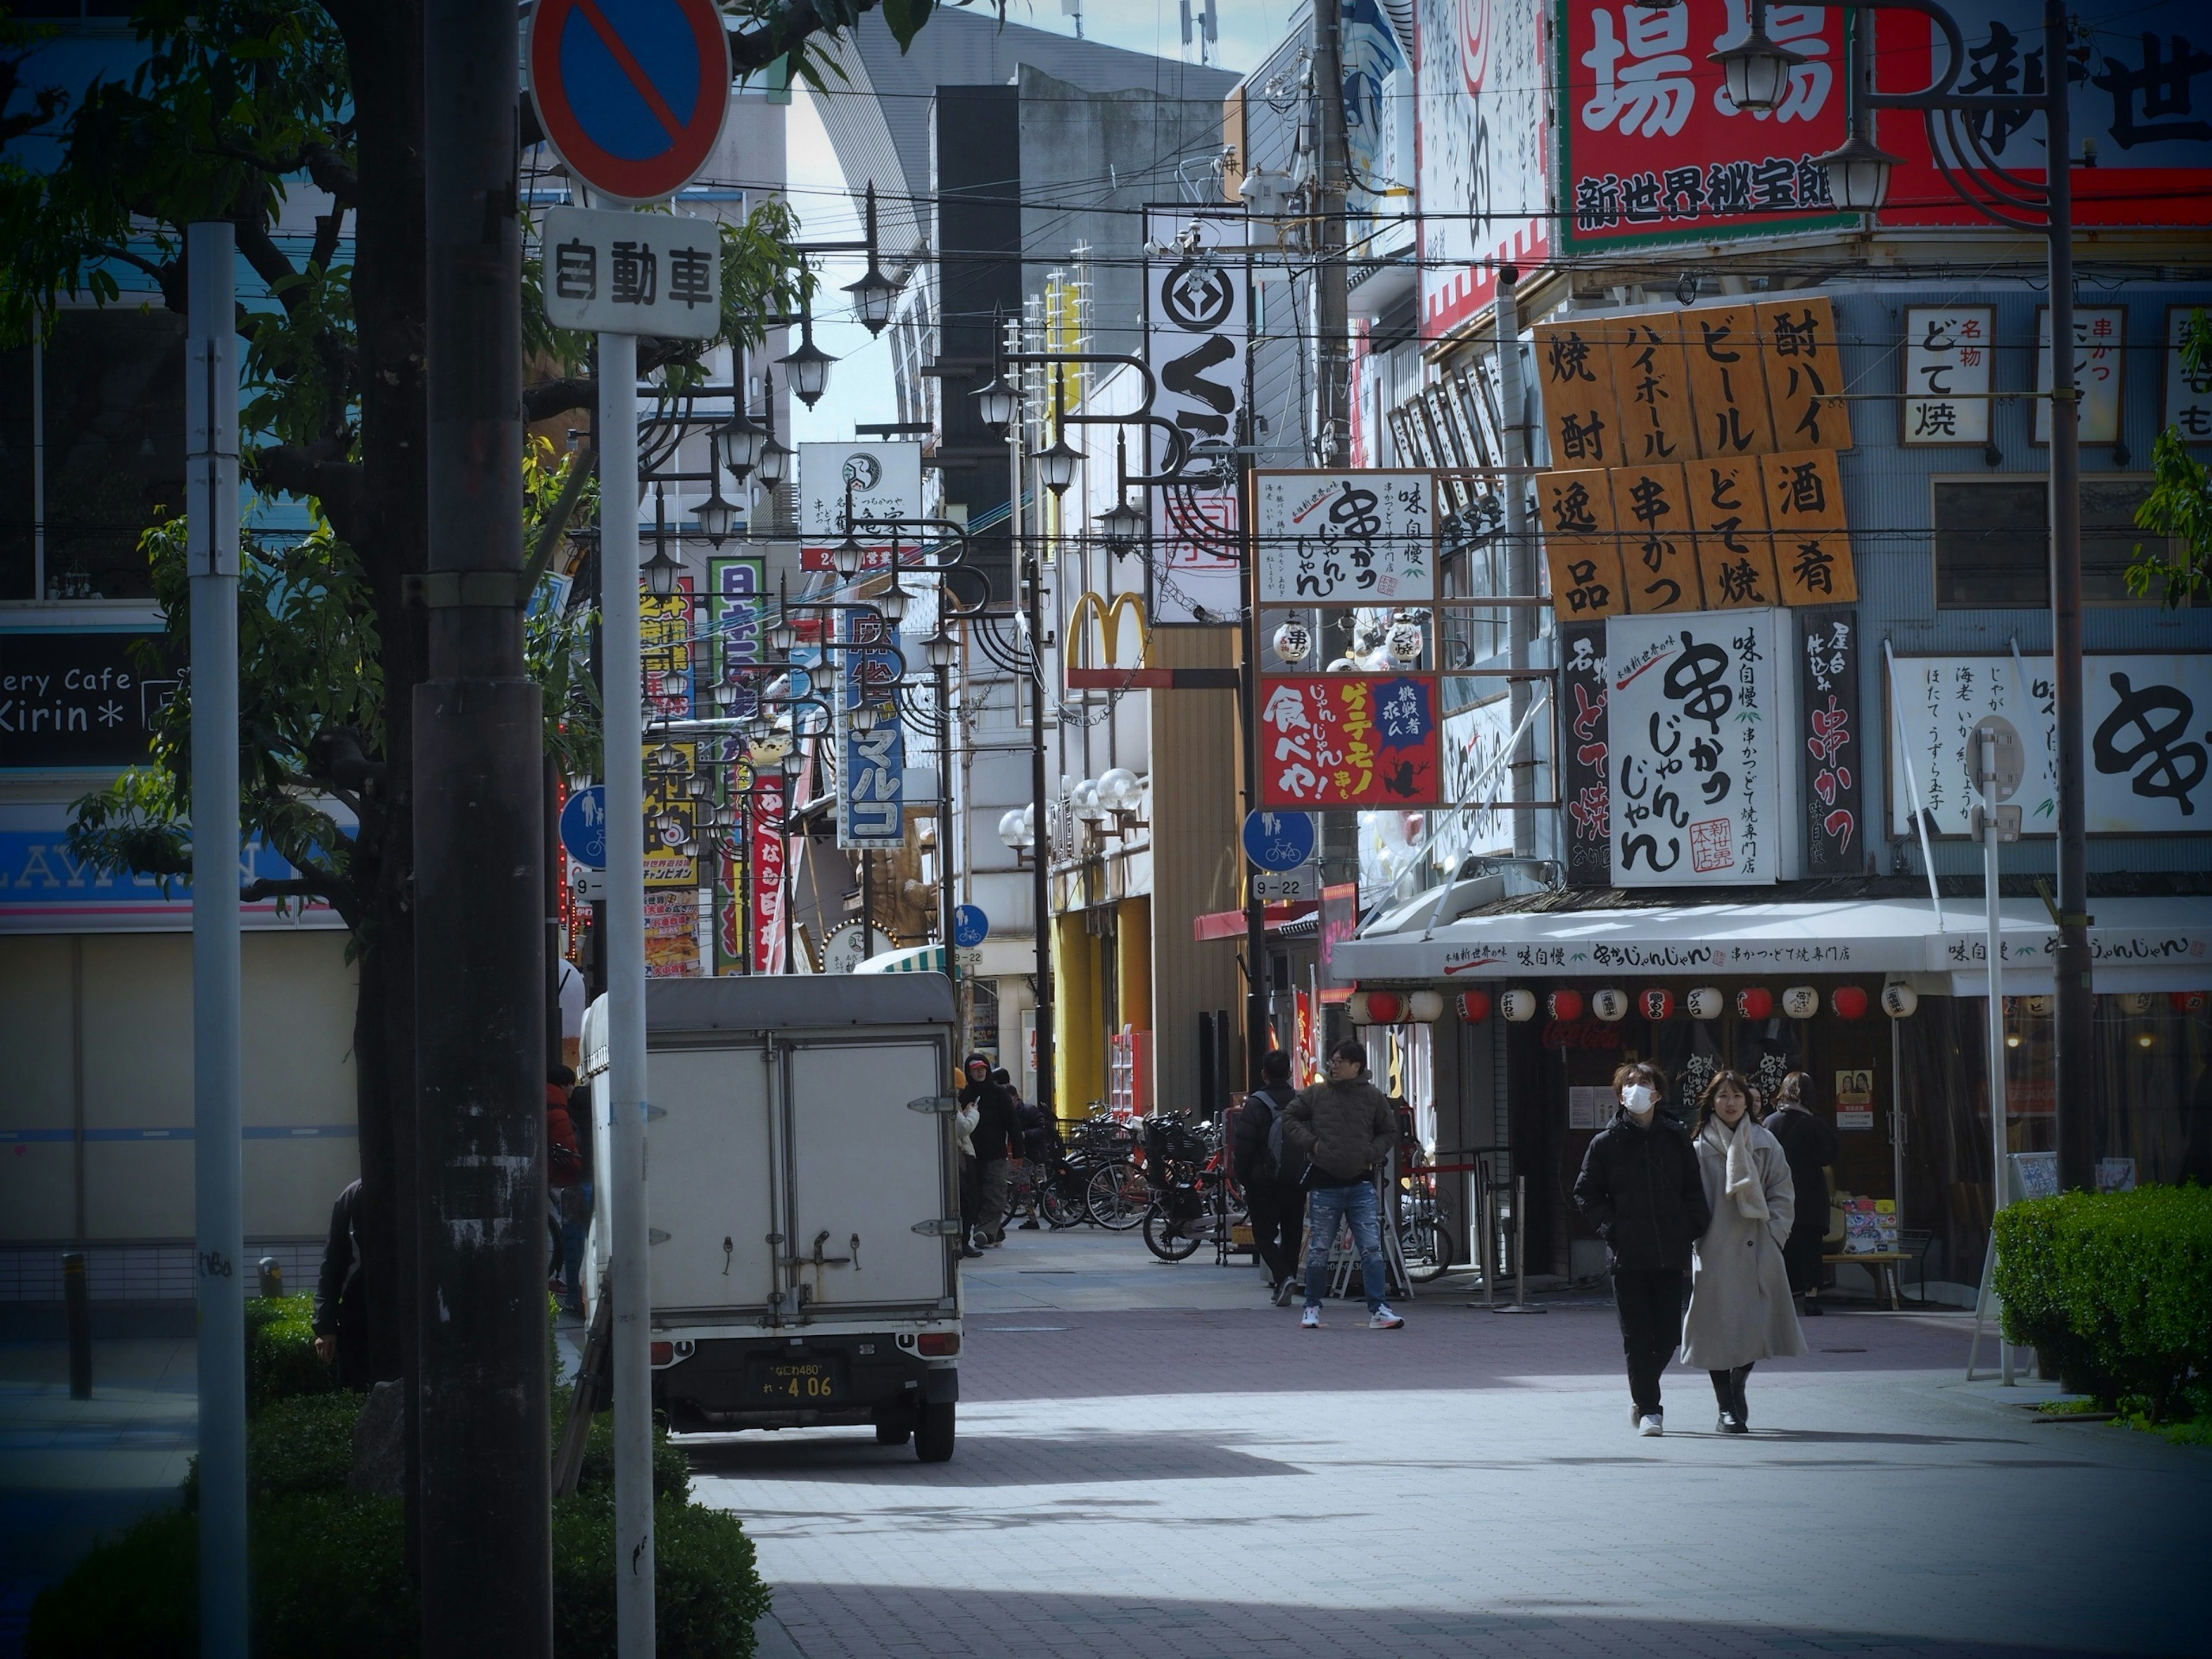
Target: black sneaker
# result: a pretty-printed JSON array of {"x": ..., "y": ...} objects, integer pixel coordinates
[
  {"x": 1812, "y": 1307},
  {"x": 1731, "y": 1424}
]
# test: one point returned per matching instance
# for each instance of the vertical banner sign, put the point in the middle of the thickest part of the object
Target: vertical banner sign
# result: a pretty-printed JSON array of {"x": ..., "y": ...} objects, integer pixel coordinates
[
  {"x": 1197, "y": 339},
  {"x": 1478, "y": 782},
  {"x": 735, "y": 601},
  {"x": 1694, "y": 786},
  {"x": 664, "y": 867},
  {"x": 1349, "y": 740},
  {"x": 730, "y": 890},
  {"x": 664, "y": 633},
  {"x": 766, "y": 875},
  {"x": 1950, "y": 352},
  {"x": 1652, "y": 149},
  {"x": 1345, "y": 538},
  {"x": 1585, "y": 777},
  {"x": 1833, "y": 798},
  {"x": 2100, "y": 362},
  {"x": 1339, "y": 920},
  {"x": 2188, "y": 391},
  {"x": 1480, "y": 132},
  {"x": 871, "y": 764}
]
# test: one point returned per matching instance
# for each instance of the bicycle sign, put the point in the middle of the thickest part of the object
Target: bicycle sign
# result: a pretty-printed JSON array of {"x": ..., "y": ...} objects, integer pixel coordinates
[
  {"x": 1278, "y": 842},
  {"x": 584, "y": 827}
]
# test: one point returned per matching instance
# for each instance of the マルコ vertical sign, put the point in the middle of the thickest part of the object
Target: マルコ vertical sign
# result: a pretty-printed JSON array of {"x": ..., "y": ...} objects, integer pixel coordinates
[
  {"x": 1652, "y": 149},
  {"x": 871, "y": 763},
  {"x": 1692, "y": 722},
  {"x": 1586, "y": 779},
  {"x": 1197, "y": 334},
  {"x": 1833, "y": 798}
]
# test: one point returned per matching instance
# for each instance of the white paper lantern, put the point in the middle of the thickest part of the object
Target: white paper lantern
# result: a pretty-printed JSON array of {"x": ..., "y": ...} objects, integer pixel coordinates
[
  {"x": 1403, "y": 643},
  {"x": 1609, "y": 1005},
  {"x": 2038, "y": 1007},
  {"x": 1899, "y": 999},
  {"x": 1801, "y": 1001},
  {"x": 1355, "y": 1008},
  {"x": 1293, "y": 642},
  {"x": 2136, "y": 1002},
  {"x": 1706, "y": 1002},
  {"x": 1518, "y": 1005},
  {"x": 1425, "y": 1007}
]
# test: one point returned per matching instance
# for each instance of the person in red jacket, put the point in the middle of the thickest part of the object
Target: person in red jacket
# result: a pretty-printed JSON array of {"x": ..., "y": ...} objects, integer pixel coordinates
[{"x": 566, "y": 1192}]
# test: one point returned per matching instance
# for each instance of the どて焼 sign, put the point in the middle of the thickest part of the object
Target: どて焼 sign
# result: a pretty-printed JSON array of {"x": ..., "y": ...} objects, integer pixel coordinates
[
  {"x": 1345, "y": 538},
  {"x": 633, "y": 273},
  {"x": 1348, "y": 740}
]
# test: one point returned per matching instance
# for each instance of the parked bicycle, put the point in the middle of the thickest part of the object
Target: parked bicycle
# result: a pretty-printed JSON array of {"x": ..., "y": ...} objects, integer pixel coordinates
[{"x": 1193, "y": 1202}]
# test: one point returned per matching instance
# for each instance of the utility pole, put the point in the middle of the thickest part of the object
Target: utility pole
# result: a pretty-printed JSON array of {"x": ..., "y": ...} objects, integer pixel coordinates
[
  {"x": 1332, "y": 281},
  {"x": 1520, "y": 551},
  {"x": 219, "y": 1245},
  {"x": 479, "y": 894}
]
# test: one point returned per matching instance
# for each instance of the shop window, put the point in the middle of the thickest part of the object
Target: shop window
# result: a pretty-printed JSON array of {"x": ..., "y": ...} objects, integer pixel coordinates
[
  {"x": 18, "y": 499},
  {"x": 114, "y": 403},
  {"x": 1993, "y": 540}
]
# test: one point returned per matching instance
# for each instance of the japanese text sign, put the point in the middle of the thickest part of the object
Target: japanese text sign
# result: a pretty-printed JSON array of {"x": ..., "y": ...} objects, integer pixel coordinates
[
  {"x": 1692, "y": 712},
  {"x": 1197, "y": 338},
  {"x": 1828, "y": 703},
  {"x": 1348, "y": 740},
  {"x": 766, "y": 875},
  {"x": 1950, "y": 353},
  {"x": 665, "y": 864},
  {"x": 882, "y": 481},
  {"x": 1344, "y": 538},
  {"x": 1586, "y": 778},
  {"x": 2188, "y": 391},
  {"x": 665, "y": 646},
  {"x": 1652, "y": 148},
  {"x": 2099, "y": 371},
  {"x": 871, "y": 764},
  {"x": 633, "y": 273},
  {"x": 2144, "y": 721}
]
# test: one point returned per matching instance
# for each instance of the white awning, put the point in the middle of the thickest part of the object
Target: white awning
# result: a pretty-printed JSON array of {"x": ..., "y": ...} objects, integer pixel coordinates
[
  {"x": 914, "y": 959},
  {"x": 2137, "y": 945}
]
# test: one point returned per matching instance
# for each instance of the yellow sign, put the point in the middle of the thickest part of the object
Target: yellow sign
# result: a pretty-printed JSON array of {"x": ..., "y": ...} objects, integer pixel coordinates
[{"x": 1107, "y": 614}]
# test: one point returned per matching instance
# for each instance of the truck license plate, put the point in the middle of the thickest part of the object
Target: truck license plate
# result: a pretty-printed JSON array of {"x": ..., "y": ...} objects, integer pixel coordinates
[{"x": 815, "y": 1382}]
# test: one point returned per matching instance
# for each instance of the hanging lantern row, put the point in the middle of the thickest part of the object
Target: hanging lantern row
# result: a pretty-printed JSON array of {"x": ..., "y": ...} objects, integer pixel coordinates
[
  {"x": 2142, "y": 1002},
  {"x": 1395, "y": 1007},
  {"x": 1657, "y": 1005}
]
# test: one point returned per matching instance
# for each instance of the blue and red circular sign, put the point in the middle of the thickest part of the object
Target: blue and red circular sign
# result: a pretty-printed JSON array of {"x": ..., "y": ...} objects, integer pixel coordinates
[{"x": 631, "y": 94}]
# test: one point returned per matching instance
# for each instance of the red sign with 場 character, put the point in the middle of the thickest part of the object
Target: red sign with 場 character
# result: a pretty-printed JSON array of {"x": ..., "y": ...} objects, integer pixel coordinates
[
  {"x": 1652, "y": 150},
  {"x": 1349, "y": 740}
]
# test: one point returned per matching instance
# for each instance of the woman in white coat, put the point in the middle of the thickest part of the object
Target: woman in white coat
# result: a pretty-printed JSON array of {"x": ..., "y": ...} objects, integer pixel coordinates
[{"x": 1740, "y": 1309}]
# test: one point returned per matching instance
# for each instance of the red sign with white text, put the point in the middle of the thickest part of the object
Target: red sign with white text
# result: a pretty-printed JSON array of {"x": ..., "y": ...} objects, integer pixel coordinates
[
  {"x": 767, "y": 876},
  {"x": 1348, "y": 740}
]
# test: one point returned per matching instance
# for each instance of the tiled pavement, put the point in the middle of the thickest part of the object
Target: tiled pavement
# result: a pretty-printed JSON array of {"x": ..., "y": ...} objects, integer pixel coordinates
[{"x": 1190, "y": 1475}]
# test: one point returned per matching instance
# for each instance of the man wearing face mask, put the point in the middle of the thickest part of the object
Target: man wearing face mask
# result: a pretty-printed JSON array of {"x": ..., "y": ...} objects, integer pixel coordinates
[{"x": 1641, "y": 1190}]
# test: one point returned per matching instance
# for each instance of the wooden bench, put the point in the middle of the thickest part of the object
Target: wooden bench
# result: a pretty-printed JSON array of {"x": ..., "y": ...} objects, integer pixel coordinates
[{"x": 1883, "y": 1265}]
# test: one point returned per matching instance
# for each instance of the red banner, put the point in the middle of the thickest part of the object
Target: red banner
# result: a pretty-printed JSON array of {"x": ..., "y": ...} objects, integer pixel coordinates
[
  {"x": 1349, "y": 740},
  {"x": 767, "y": 876}
]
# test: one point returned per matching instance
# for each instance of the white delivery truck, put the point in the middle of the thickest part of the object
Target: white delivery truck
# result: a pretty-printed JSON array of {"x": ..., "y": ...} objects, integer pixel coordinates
[{"x": 802, "y": 1190}]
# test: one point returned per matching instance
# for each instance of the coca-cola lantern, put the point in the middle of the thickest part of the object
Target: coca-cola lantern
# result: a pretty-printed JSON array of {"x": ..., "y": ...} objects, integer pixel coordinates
[
  {"x": 1706, "y": 1002},
  {"x": 1800, "y": 1002},
  {"x": 1754, "y": 1002},
  {"x": 2185, "y": 1002},
  {"x": 1658, "y": 1004},
  {"x": 1899, "y": 999},
  {"x": 1425, "y": 1007},
  {"x": 1609, "y": 1005},
  {"x": 1518, "y": 1005},
  {"x": 1474, "y": 1007},
  {"x": 1564, "y": 1005}
]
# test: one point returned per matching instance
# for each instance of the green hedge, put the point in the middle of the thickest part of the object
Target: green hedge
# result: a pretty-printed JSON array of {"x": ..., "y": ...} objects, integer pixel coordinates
[
  {"x": 2115, "y": 1289},
  {"x": 280, "y": 1351}
]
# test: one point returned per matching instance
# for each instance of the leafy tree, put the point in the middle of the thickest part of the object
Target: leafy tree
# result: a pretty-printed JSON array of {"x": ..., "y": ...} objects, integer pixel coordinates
[
  {"x": 2179, "y": 505},
  {"x": 236, "y": 104}
]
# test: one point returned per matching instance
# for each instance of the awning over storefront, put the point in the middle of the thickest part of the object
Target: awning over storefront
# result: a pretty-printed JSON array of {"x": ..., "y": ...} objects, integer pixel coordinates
[
  {"x": 914, "y": 959},
  {"x": 2137, "y": 945}
]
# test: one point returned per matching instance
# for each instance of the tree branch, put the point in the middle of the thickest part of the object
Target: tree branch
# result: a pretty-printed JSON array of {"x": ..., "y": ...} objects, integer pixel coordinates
[
  {"x": 337, "y": 484},
  {"x": 332, "y": 176},
  {"x": 169, "y": 277},
  {"x": 267, "y": 259},
  {"x": 546, "y": 398}
]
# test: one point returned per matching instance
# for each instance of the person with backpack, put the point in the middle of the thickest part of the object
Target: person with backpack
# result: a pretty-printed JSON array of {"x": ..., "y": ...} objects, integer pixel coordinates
[
  {"x": 998, "y": 1140},
  {"x": 1272, "y": 1194},
  {"x": 1342, "y": 1132},
  {"x": 1641, "y": 1192},
  {"x": 1810, "y": 1143}
]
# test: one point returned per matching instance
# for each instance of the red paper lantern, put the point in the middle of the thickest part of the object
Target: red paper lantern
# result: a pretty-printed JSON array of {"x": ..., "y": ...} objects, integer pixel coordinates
[
  {"x": 1849, "y": 1001},
  {"x": 1385, "y": 1007},
  {"x": 1754, "y": 1002},
  {"x": 1657, "y": 1004},
  {"x": 1564, "y": 1005},
  {"x": 2186, "y": 1002},
  {"x": 1474, "y": 1007}
]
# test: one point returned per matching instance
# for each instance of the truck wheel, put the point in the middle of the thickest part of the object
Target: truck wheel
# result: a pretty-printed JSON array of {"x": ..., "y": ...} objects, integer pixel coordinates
[
  {"x": 895, "y": 1431},
  {"x": 932, "y": 1434}
]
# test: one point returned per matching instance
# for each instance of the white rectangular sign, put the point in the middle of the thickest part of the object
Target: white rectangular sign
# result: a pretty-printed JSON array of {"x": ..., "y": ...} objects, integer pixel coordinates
[
  {"x": 1197, "y": 335},
  {"x": 885, "y": 483},
  {"x": 1950, "y": 352},
  {"x": 1362, "y": 538},
  {"x": 633, "y": 273},
  {"x": 1478, "y": 780},
  {"x": 1289, "y": 886},
  {"x": 1695, "y": 712},
  {"x": 2100, "y": 362},
  {"x": 2188, "y": 391},
  {"x": 2144, "y": 718}
]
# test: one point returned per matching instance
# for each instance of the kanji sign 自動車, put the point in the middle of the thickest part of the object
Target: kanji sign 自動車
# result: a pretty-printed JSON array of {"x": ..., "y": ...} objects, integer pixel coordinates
[
  {"x": 1348, "y": 740},
  {"x": 633, "y": 273}
]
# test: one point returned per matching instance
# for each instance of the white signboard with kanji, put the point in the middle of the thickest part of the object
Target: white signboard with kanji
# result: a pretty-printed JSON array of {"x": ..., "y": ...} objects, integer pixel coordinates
[
  {"x": 1197, "y": 335},
  {"x": 2099, "y": 371},
  {"x": 1949, "y": 351},
  {"x": 1696, "y": 711},
  {"x": 2188, "y": 391},
  {"x": 633, "y": 273},
  {"x": 882, "y": 484},
  {"x": 1346, "y": 538},
  {"x": 2145, "y": 718}
]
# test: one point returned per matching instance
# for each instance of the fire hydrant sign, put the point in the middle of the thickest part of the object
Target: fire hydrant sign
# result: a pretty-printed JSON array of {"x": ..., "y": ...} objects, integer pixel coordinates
[
  {"x": 633, "y": 273},
  {"x": 1348, "y": 740}
]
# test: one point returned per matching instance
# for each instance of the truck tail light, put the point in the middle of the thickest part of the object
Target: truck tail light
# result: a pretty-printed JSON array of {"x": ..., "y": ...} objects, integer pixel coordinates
[
  {"x": 938, "y": 1345},
  {"x": 664, "y": 1353}
]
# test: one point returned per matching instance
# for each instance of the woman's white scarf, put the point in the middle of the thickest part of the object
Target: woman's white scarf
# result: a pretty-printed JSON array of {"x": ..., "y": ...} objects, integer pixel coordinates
[{"x": 1745, "y": 1184}]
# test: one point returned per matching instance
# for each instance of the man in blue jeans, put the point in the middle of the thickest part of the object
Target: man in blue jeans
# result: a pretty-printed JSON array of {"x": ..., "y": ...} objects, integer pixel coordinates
[{"x": 1343, "y": 1130}]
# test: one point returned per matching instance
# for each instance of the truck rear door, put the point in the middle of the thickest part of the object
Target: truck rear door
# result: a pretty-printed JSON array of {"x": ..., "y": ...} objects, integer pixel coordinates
[{"x": 711, "y": 1164}]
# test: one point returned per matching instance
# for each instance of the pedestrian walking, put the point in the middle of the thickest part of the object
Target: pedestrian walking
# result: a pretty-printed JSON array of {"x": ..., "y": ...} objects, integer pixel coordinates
[
  {"x": 1273, "y": 1195},
  {"x": 1342, "y": 1131},
  {"x": 340, "y": 1318},
  {"x": 963, "y": 1136},
  {"x": 1640, "y": 1190},
  {"x": 998, "y": 1140},
  {"x": 1809, "y": 1142},
  {"x": 1739, "y": 1308},
  {"x": 568, "y": 1184}
]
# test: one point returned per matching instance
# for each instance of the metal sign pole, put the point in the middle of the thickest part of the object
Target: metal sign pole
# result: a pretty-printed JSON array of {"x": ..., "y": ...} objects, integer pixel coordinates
[
  {"x": 1985, "y": 768},
  {"x": 211, "y": 492},
  {"x": 622, "y": 670}
]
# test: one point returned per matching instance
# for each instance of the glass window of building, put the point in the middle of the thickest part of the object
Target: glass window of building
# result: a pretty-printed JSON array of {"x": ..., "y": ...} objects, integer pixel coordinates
[{"x": 1993, "y": 540}]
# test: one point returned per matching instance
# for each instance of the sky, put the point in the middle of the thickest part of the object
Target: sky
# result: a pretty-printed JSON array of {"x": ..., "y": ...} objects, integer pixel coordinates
[{"x": 860, "y": 384}]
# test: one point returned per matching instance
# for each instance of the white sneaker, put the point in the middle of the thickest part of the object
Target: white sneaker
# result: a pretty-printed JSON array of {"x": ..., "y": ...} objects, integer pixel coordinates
[
  {"x": 1650, "y": 1428},
  {"x": 1310, "y": 1320},
  {"x": 1383, "y": 1319}
]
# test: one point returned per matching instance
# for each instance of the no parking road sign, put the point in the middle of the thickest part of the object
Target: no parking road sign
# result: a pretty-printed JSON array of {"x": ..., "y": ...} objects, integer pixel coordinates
[{"x": 631, "y": 94}]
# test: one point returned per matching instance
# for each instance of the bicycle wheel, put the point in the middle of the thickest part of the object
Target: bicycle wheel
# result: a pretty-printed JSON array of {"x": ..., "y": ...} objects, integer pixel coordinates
[
  {"x": 1117, "y": 1197},
  {"x": 1060, "y": 1207},
  {"x": 1427, "y": 1249},
  {"x": 1174, "y": 1246}
]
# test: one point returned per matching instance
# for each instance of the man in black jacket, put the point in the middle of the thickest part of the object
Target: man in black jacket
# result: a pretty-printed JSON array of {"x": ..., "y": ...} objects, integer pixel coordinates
[
  {"x": 1810, "y": 1143},
  {"x": 1276, "y": 1200},
  {"x": 1346, "y": 1131},
  {"x": 1640, "y": 1188},
  {"x": 341, "y": 1314},
  {"x": 997, "y": 1138}
]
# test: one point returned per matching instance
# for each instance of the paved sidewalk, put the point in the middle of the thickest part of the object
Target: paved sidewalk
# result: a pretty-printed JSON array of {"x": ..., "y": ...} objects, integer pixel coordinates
[{"x": 1196, "y": 1477}]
